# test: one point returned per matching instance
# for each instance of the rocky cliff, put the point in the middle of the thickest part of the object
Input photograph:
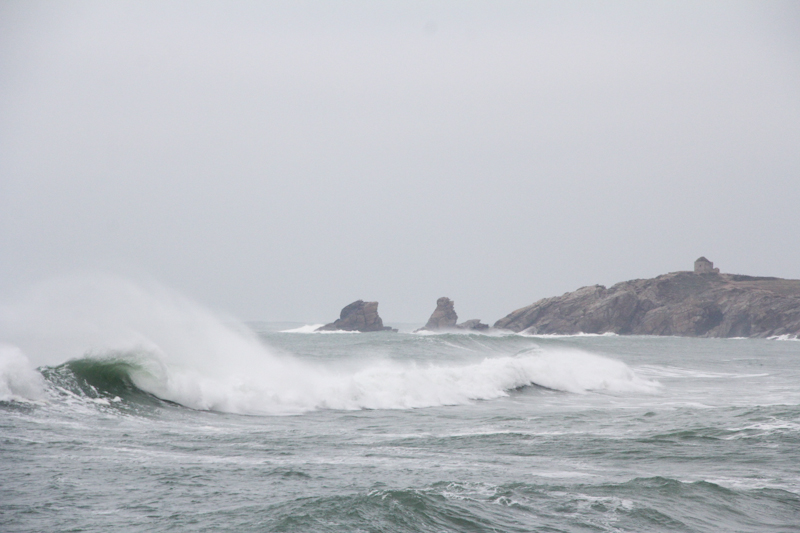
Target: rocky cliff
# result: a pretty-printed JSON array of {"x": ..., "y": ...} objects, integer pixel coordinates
[
  {"x": 358, "y": 316},
  {"x": 680, "y": 303}
]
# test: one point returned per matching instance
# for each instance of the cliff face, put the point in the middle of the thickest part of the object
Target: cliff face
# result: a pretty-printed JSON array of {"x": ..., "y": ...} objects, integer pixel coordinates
[{"x": 680, "y": 303}]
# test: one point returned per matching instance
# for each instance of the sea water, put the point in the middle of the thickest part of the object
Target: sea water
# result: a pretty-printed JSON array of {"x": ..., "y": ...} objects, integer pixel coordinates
[{"x": 157, "y": 415}]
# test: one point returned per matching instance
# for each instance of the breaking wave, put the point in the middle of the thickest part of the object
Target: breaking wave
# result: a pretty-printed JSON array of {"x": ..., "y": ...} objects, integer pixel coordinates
[
  {"x": 785, "y": 337},
  {"x": 291, "y": 387},
  {"x": 160, "y": 345}
]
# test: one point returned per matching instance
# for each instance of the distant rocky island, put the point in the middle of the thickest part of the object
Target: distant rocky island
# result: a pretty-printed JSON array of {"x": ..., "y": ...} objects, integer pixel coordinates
[{"x": 699, "y": 303}]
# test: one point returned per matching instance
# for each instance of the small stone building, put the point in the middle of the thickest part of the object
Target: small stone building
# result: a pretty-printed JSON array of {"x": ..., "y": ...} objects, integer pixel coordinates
[{"x": 704, "y": 266}]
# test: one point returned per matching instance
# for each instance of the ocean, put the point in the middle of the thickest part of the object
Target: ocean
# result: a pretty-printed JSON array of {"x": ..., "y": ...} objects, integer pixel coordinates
[{"x": 178, "y": 420}]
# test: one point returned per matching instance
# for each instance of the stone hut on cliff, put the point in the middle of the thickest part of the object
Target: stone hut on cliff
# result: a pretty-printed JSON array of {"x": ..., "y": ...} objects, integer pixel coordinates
[{"x": 704, "y": 266}]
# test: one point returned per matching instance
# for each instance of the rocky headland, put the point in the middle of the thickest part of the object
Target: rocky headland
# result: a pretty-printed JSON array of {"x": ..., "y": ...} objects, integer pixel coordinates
[
  {"x": 358, "y": 316},
  {"x": 444, "y": 318},
  {"x": 702, "y": 303}
]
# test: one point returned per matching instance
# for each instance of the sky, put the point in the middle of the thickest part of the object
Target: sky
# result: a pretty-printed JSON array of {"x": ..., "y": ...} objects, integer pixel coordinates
[{"x": 279, "y": 160}]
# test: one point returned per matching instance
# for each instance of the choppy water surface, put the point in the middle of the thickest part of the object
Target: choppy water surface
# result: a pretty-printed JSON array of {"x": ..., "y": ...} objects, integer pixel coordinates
[{"x": 288, "y": 431}]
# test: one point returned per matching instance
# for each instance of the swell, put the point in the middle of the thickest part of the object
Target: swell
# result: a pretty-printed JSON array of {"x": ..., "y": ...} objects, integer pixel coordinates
[{"x": 641, "y": 504}]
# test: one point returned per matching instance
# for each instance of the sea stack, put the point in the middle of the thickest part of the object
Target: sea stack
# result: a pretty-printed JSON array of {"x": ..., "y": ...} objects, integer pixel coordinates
[
  {"x": 444, "y": 318},
  {"x": 358, "y": 316},
  {"x": 698, "y": 303}
]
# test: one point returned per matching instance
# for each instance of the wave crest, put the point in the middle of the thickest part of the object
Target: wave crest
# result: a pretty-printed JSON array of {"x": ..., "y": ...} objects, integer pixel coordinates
[{"x": 290, "y": 386}]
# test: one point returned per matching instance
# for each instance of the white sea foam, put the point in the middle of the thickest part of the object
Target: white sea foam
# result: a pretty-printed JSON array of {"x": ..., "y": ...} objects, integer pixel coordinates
[
  {"x": 283, "y": 385},
  {"x": 312, "y": 328},
  {"x": 308, "y": 328},
  {"x": 184, "y": 353},
  {"x": 786, "y": 337},
  {"x": 663, "y": 371},
  {"x": 18, "y": 380},
  {"x": 525, "y": 333},
  {"x": 578, "y": 371},
  {"x": 491, "y": 332},
  {"x": 760, "y": 429},
  {"x": 564, "y": 474}
]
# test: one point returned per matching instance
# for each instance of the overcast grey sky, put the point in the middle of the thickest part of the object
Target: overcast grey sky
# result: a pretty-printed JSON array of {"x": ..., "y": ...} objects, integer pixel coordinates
[{"x": 278, "y": 160}]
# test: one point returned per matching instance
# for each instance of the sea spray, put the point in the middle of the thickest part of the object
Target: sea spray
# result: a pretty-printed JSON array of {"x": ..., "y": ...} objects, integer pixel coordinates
[
  {"x": 579, "y": 371},
  {"x": 71, "y": 317},
  {"x": 392, "y": 385},
  {"x": 179, "y": 351},
  {"x": 289, "y": 386},
  {"x": 18, "y": 380}
]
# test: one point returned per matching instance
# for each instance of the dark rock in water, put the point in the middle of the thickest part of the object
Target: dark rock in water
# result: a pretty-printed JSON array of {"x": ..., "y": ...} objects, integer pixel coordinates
[
  {"x": 444, "y": 317},
  {"x": 358, "y": 316},
  {"x": 474, "y": 324},
  {"x": 703, "y": 303}
]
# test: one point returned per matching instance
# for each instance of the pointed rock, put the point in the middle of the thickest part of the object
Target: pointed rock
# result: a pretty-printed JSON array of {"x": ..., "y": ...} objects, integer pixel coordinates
[{"x": 444, "y": 317}]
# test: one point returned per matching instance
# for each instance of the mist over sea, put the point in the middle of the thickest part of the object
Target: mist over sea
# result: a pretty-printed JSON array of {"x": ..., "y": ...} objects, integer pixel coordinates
[
  {"x": 277, "y": 160},
  {"x": 134, "y": 410}
]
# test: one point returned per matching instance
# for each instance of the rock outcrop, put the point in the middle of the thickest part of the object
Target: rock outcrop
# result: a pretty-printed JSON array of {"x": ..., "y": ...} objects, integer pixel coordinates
[
  {"x": 358, "y": 316},
  {"x": 474, "y": 324},
  {"x": 444, "y": 317},
  {"x": 680, "y": 303}
]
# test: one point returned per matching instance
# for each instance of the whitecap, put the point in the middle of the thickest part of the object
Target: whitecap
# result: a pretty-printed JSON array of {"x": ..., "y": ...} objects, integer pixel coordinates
[
  {"x": 313, "y": 328},
  {"x": 785, "y": 337}
]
